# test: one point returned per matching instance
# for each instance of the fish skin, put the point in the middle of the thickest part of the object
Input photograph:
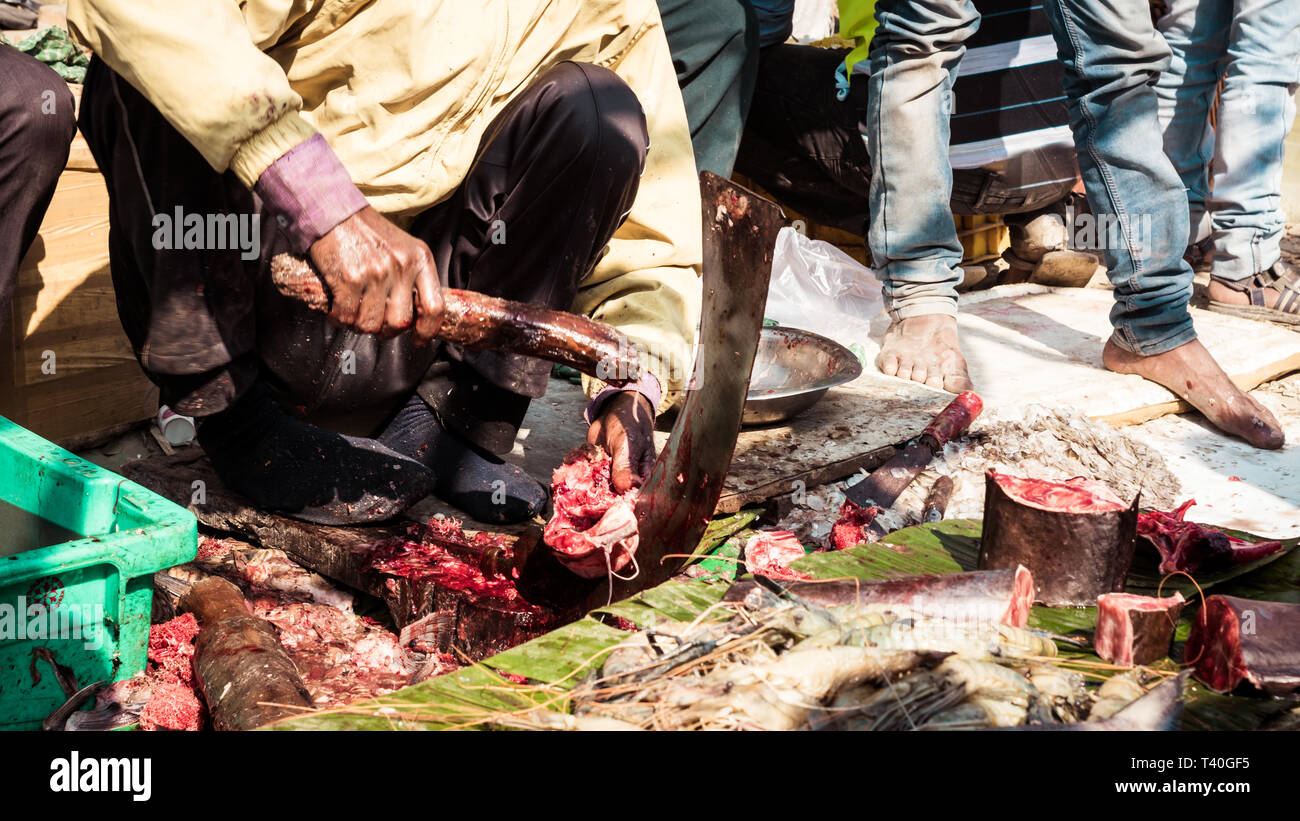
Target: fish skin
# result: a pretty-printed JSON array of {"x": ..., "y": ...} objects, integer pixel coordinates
[
  {"x": 1158, "y": 710},
  {"x": 56, "y": 720}
]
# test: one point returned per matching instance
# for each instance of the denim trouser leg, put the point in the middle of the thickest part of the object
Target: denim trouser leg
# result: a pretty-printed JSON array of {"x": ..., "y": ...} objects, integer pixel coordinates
[
  {"x": 1112, "y": 56},
  {"x": 914, "y": 55},
  {"x": 1197, "y": 34},
  {"x": 1260, "y": 76}
]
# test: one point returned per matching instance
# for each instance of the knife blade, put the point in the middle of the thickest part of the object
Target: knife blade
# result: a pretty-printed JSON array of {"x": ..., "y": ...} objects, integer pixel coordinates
[{"x": 886, "y": 483}]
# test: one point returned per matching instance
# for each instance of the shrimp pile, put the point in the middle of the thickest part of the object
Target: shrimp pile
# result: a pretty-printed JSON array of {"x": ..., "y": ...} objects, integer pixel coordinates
[{"x": 791, "y": 665}]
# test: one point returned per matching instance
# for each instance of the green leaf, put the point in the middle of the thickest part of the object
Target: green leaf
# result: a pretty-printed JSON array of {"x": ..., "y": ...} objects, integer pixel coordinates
[
  {"x": 944, "y": 547},
  {"x": 447, "y": 702},
  {"x": 560, "y": 652},
  {"x": 472, "y": 693},
  {"x": 1205, "y": 709},
  {"x": 670, "y": 601},
  {"x": 720, "y": 531}
]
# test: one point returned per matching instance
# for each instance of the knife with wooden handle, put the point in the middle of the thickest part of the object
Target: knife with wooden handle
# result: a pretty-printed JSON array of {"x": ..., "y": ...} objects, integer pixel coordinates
[{"x": 884, "y": 485}]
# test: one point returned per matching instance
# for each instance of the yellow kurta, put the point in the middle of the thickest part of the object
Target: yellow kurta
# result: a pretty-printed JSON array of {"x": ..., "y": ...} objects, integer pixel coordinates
[{"x": 403, "y": 91}]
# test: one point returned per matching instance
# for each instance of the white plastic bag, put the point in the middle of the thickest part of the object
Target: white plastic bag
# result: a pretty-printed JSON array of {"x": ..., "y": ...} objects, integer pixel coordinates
[
  {"x": 817, "y": 287},
  {"x": 814, "y": 20}
]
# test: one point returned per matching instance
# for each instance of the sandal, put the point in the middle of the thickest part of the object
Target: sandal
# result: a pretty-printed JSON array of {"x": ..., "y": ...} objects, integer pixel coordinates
[{"x": 1281, "y": 278}]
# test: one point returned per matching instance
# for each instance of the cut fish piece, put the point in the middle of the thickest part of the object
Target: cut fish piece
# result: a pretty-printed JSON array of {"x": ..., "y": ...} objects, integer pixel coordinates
[
  {"x": 1077, "y": 537},
  {"x": 1235, "y": 640},
  {"x": 1133, "y": 629},
  {"x": 770, "y": 552}
]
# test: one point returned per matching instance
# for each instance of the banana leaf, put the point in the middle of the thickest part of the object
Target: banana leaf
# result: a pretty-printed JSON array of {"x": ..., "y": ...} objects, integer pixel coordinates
[
  {"x": 670, "y": 601},
  {"x": 470, "y": 694},
  {"x": 567, "y": 654},
  {"x": 720, "y": 531},
  {"x": 561, "y": 657}
]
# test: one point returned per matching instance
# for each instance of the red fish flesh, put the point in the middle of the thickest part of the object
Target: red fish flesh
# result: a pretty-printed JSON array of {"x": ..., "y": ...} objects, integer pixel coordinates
[
  {"x": 594, "y": 529},
  {"x": 770, "y": 552},
  {"x": 1190, "y": 547},
  {"x": 1235, "y": 640},
  {"x": 172, "y": 706},
  {"x": 1078, "y": 495},
  {"x": 1135, "y": 629},
  {"x": 439, "y": 553},
  {"x": 850, "y": 530}
]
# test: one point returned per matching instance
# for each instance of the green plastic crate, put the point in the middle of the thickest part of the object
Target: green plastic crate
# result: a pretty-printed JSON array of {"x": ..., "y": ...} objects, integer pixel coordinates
[{"x": 88, "y": 601}]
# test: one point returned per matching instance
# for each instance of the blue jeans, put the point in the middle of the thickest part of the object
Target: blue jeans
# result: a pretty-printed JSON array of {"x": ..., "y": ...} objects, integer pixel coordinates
[
  {"x": 1254, "y": 46},
  {"x": 1112, "y": 55}
]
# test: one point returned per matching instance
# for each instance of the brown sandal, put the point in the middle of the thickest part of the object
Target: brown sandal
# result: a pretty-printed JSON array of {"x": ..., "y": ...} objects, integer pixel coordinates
[{"x": 1281, "y": 278}]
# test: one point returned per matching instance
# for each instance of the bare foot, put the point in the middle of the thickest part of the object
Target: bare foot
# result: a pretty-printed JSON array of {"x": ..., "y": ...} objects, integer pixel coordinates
[
  {"x": 924, "y": 349},
  {"x": 1192, "y": 373}
]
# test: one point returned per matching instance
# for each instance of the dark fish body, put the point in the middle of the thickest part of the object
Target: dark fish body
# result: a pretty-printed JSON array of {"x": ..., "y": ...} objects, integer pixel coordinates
[
  {"x": 1235, "y": 640},
  {"x": 1075, "y": 554}
]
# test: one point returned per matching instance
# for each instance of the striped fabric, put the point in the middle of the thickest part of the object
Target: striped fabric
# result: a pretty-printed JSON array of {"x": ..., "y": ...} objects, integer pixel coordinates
[{"x": 1008, "y": 96}]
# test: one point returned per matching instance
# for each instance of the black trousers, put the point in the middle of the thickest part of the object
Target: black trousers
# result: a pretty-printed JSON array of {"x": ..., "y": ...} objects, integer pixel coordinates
[
  {"x": 805, "y": 147},
  {"x": 37, "y": 123},
  {"x": 557, "y": 172}
]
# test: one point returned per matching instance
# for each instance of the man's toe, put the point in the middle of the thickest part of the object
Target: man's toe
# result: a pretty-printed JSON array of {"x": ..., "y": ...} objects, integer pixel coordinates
[{"x": 957, "y": 383}]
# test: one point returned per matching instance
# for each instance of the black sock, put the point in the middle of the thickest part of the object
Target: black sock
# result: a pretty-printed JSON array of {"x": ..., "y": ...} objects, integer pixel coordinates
[
  {"x": 477, "y": 482},
  {"x": 284, "y": 464}
]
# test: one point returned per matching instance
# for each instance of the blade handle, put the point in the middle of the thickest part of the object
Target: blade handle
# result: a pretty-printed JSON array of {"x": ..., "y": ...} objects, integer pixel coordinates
[{"x": 952, "y": 421}]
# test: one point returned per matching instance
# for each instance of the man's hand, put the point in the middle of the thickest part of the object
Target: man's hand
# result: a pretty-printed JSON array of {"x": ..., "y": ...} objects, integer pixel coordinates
[
  {"x": 625, "y": 429},
  {"x": 372, "y": 267}
]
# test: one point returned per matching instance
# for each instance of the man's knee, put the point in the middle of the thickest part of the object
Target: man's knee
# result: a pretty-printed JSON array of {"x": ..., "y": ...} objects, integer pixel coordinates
[
  {"x": 598, "y": 115},
  {"x": 37, "y": 112},
  {"x": 920, "y": 28}
]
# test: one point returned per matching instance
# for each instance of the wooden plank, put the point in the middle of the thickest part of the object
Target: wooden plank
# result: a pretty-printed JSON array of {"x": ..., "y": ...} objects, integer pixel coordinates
[
  {"x": 791, "y": 483},
  {"x": 1246, "y": 381},
  {"x": 83, "y": 409},
  {"x": 1031, "y": 344},
  {"x": 850, "y": 429},
  {"x": 64, "y": 303},
  {"x": 188, "y": 480}
]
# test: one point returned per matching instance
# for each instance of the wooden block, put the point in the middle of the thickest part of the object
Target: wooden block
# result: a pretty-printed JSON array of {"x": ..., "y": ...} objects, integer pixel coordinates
[{"x": 449, "y": 619}]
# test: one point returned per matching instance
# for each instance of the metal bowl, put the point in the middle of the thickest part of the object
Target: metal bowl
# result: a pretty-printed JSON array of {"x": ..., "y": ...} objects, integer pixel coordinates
[{"x": 793, "y": 369}]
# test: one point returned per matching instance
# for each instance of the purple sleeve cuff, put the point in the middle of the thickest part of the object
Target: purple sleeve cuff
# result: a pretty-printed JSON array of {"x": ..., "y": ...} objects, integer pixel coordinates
[
  {"x": 648, "y": 386},
  {"x": 308, "y": 191}
]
